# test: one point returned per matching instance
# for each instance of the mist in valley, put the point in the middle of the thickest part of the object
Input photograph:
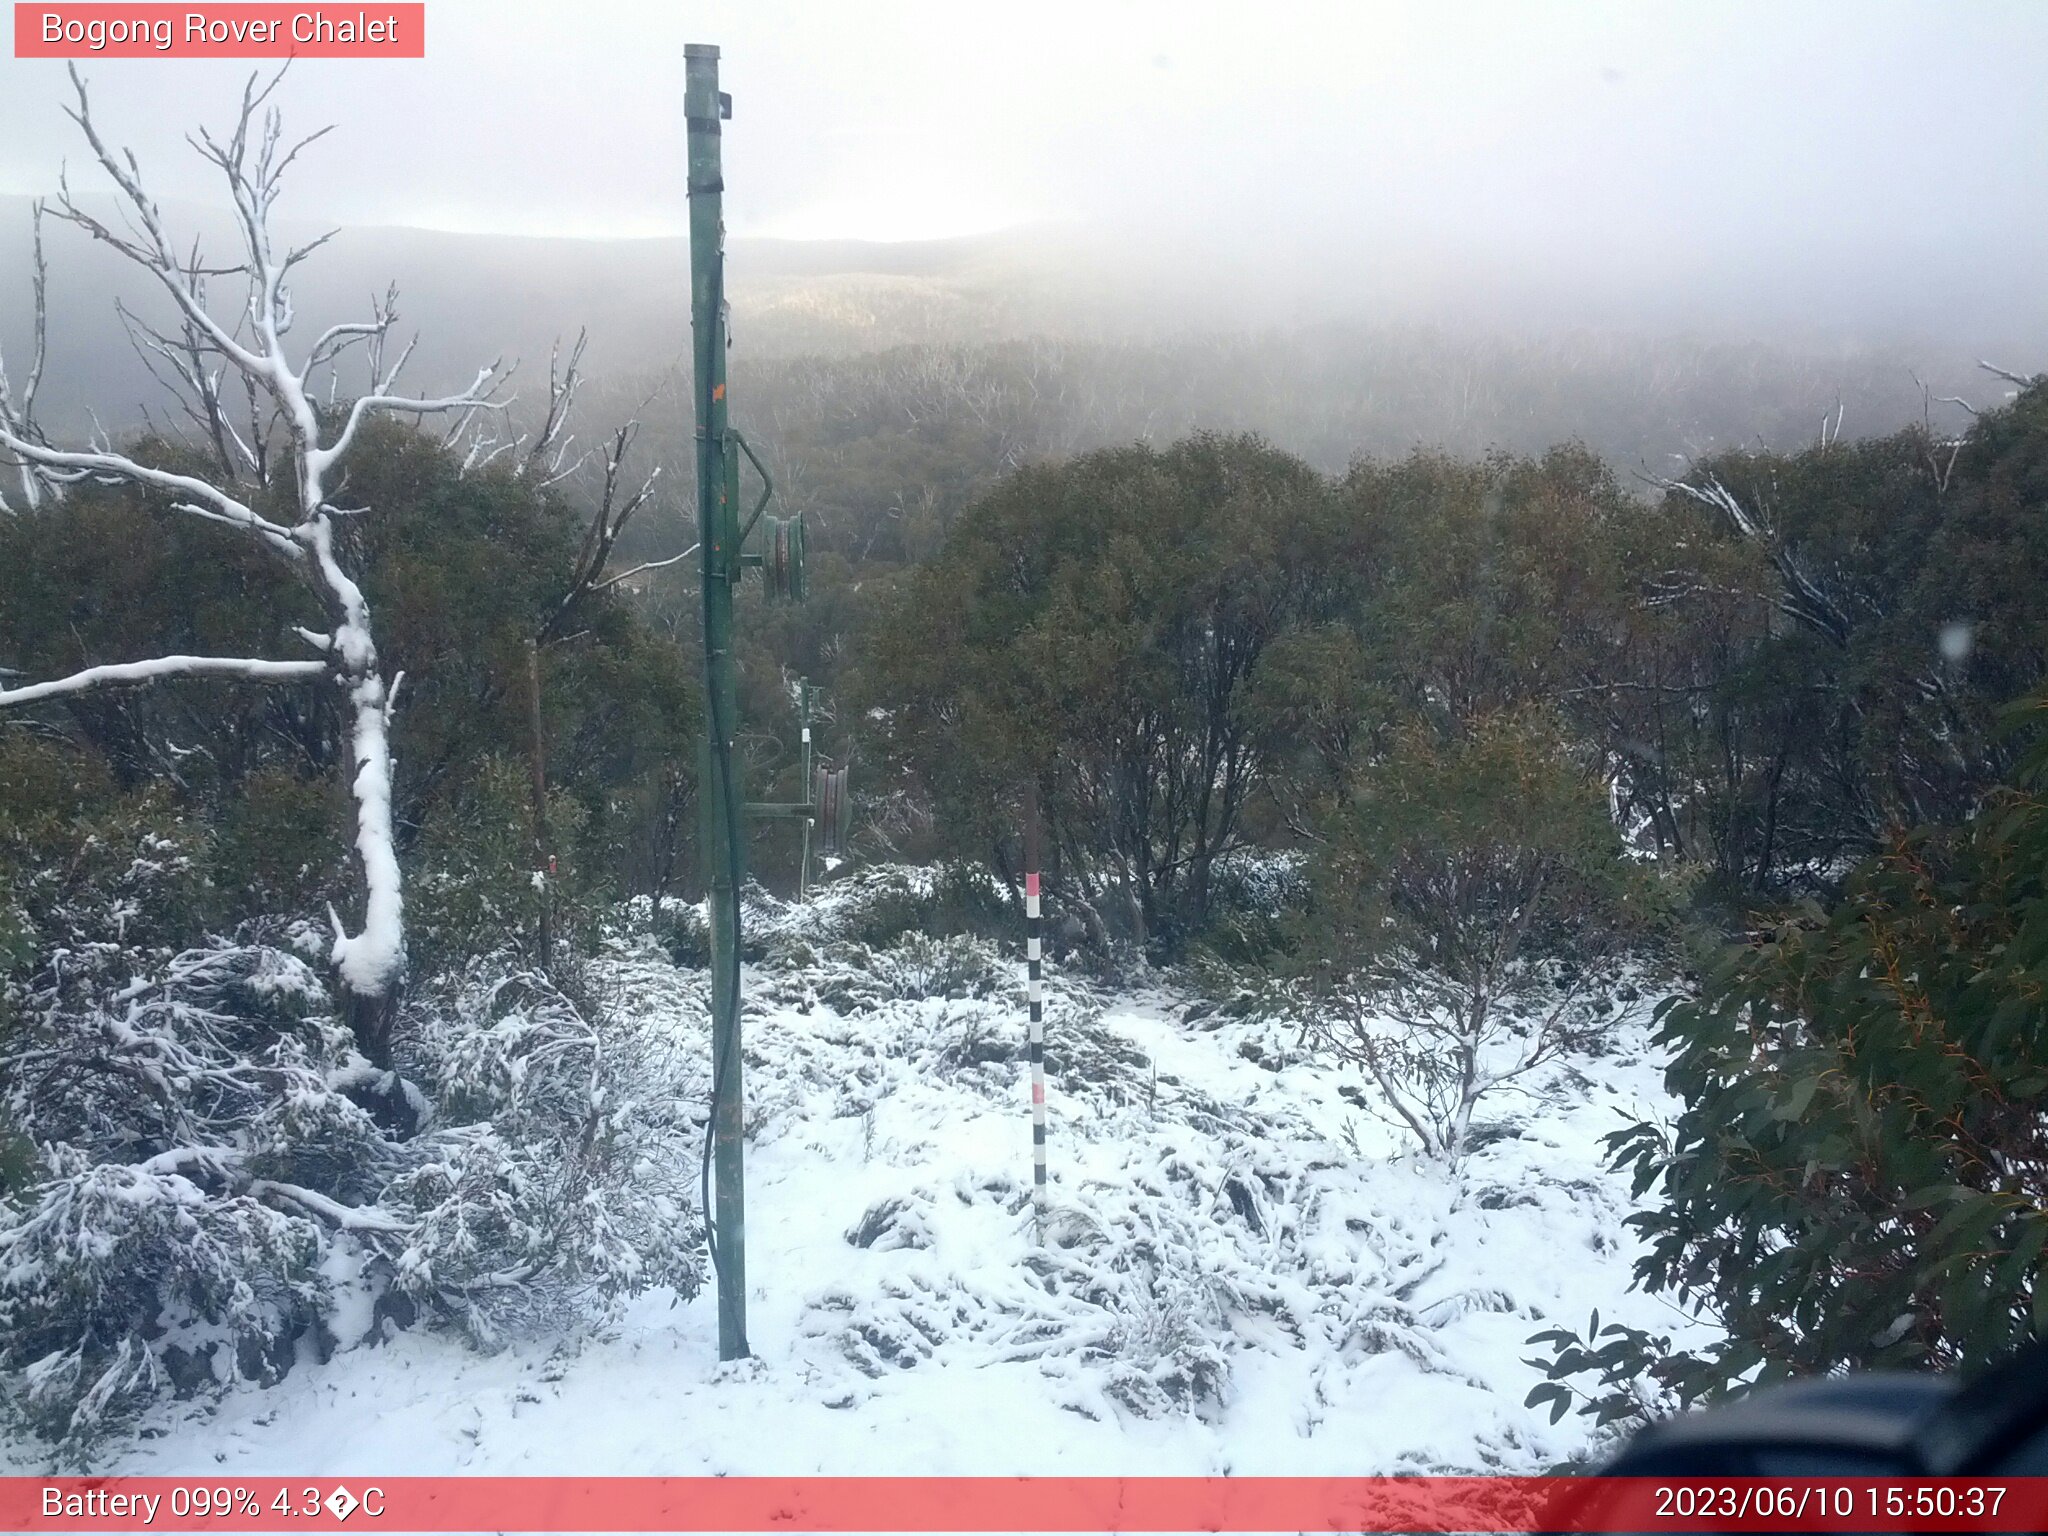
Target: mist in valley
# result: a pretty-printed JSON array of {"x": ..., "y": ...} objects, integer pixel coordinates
[
  {"x": 1352, "y": 229},
  {"x": 882, "y": 378}
]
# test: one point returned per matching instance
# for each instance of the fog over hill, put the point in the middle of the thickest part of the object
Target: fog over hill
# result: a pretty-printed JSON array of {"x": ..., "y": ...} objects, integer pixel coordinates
[{"x": 1370, "y": 359}]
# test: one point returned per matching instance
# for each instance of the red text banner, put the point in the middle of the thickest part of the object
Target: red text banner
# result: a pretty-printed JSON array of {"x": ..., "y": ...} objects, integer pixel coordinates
[
  {"x": 988, "y": 1504},
  {"x": 240, "y": 31}
]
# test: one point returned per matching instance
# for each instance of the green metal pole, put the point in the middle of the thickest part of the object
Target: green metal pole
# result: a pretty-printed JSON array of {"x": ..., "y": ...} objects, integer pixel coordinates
[{"x": 719, "y": 795}]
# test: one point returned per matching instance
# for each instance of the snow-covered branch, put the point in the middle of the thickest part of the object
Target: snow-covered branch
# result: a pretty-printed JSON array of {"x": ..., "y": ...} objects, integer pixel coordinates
[
  {"x": 151, "y": 247},
  {"x": 477, "y": 397},
  {"x": 108, "y": 468},
  {"x": 643, "y": 567},
  {"x": 2023, "y": 380},
  {"x": 348, "y": 1218},
  {"x": 548, "y": 460},
  {"x": 161, "y": 668},
  {"x": 1803, "y": 598},
  {"x": 338, "y": 339},
  {"x": 607, "y": 522}
]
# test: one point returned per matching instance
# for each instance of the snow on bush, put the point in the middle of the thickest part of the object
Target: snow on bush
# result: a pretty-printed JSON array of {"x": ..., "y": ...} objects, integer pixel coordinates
[
  {"x": 1196, "y": 1224},
  {"x": 1434, "y": 1048},
  {"x": 189, "y": 1131},
  {"x": 1212, "y": 1232},
  {"x": 123, "y": 1281},
  {"x": 108, "y": 889},
  {"x": 555, "y": 1176},
  {"x": 854, "y": 978},
  {"x": 208, "y": 1197},
  {"x": 879, "y": 904},
  {"x": 1233, "y": 1244},
  {"x": 1167, "y": 1260},
  {"x": 1259, "y": 879}
]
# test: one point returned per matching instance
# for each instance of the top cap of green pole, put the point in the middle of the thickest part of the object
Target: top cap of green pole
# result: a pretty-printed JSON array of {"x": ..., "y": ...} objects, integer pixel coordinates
[{"x": 702, "y": 105}]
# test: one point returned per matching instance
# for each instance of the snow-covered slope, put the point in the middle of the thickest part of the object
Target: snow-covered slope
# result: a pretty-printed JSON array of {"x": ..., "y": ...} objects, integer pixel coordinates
[{"x": 1242, "y": 1272}]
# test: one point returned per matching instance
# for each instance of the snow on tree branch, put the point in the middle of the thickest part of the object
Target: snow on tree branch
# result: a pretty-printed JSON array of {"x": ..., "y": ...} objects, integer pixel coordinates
[
  {"x": 548, "y": 460},
  {"x": 1803, "y": 598},
  {"x": 473, "y": 398},
  {"x": 607, "y": 522},
  {"x": 205, "y": 500},
  {"x": 248, "y": 669},
  {"x": 644, "y": 567},
  {"x": 195, "y": 360},
  {"x": 2023, "y": 380}
]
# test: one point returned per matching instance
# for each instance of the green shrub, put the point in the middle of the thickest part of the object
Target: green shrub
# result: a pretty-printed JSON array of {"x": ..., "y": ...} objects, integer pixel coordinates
[
  {"x": 473, "y": 887},
  {"x": 104, "y": 876},
  {"x": 278, "y": 843},
  {"x": 1859, "y": 1178}
]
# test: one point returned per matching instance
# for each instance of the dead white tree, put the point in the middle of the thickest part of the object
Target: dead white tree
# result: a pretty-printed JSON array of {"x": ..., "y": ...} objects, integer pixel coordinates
[
  {"x": 18, "y": 412},
  {"x": 300, "y": 522},
  {"x": 1803, "y": 597}
]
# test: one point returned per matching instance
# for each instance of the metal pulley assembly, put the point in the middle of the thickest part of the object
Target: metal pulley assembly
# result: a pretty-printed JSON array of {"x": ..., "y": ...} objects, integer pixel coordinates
[
  {"x": 835, "y": 812},
  {"x": 782, "y": 557}
]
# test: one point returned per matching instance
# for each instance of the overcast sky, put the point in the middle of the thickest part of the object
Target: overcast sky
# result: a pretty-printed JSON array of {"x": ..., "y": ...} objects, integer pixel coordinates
[{"x": 1647, "y": 144}]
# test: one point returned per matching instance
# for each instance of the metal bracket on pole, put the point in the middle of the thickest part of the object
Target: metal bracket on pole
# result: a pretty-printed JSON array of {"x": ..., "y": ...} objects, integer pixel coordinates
[
  {"x": 782, "y": 808},
  {"x": 767, "y": 483}
]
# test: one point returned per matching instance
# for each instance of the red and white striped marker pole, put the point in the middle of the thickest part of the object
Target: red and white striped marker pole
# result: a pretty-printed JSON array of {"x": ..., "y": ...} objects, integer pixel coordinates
[{"x": 1034, "y": 989}]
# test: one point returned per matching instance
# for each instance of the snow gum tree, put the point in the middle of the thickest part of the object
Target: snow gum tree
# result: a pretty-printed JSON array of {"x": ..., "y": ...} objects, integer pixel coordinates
[
  {"x": 1469, "y": 903},
  {"x": 1103, "y": 625},
  {"x": 276, "y": 469}
]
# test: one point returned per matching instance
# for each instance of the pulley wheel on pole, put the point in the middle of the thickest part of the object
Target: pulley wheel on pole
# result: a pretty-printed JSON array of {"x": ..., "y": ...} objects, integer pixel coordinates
[
  {"x": 835, "y": 812},
  {"x": 782, "y": 558}
]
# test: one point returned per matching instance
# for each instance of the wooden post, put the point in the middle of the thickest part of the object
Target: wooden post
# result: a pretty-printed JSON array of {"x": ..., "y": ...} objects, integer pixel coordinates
[
  {"x": 537, "y": 761},
  {"x": 1034, "y": 991}
]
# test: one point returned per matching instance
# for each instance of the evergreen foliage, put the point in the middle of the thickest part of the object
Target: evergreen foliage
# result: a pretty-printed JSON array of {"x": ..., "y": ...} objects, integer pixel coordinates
[
  {"x": 462, "y": 568},
  {"x": 210, "y": 1186},
  {"x": 1442, "y": 742},
  {"x": 1101, "y": 625},
  {"x": 201, "y": 1176},
  {"x": 1859, "y": 1174}
]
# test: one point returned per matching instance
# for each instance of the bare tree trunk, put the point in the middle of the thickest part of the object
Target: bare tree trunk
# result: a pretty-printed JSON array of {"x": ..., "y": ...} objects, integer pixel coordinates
[
  {"x": 1091, "y": 923},
  {"x": 1134, "y": 901},
  {"x": 370, "y": 963}
]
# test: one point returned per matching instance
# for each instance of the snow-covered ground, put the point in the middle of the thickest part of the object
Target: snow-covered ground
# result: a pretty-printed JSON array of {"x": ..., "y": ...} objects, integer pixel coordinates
[{"x": 1243, "y": 1270}]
